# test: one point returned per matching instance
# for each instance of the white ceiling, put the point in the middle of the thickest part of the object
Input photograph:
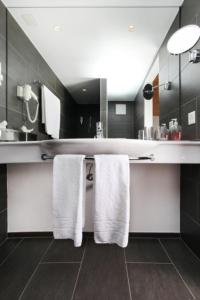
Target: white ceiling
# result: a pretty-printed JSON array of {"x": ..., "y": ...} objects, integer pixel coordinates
[
  {"x": 94, "y": 42},
  {"x": 94, "y": 3}
]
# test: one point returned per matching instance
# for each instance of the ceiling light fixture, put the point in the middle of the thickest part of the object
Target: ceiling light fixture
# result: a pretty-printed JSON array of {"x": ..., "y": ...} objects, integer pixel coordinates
[
  {"x": 131, "y": 28},
  {"x": 57, "y": 28}
]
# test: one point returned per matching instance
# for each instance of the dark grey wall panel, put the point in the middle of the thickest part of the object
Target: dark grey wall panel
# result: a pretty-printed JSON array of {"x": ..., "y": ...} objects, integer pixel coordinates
[
  {"x": 139, "y": 113},
  {"x": 3, "y": 203},
  {"x": 91, "y": 115},
  {"x": 169, "y": 71},
  {"x": 3, "y": 61},
  {"x": 25, "y": 64},
  {"x": 3, "y": 171},
  {"x": 121, "y": 126},
  {"x": 190, "y": 87},
  {"x": 190, "y": 206},
  {"x": 190, "y": 101}
]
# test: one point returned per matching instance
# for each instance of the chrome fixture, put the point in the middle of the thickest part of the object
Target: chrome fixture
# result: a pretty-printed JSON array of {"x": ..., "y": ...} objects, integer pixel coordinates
[
  {"x": 1, "y": 75},
  {"x": 194, "y": 56},
  {"x": 148, "y": 90},
  {"x": 45, "y": 156}
]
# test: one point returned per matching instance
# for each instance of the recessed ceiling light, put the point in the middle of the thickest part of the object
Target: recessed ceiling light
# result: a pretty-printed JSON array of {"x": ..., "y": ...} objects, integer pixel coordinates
[
  {"x": 84, "y": 90},
  {"x": 131, "y": 28},
  {"x": 57, "y": 28},
  {"x": 29, "y": 19}
]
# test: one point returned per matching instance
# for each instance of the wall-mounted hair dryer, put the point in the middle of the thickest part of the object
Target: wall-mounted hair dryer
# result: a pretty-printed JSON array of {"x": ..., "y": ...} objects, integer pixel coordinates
[{"x": 26, "y": 94}]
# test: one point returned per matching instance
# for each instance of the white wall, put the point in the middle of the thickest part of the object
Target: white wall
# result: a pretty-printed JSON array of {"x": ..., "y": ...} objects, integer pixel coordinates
[{"x": 155, "y": 198}]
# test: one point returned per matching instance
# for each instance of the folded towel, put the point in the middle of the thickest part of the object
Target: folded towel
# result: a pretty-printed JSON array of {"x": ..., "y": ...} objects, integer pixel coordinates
[
  {"x": 112, "y": 199},
  {"x": 50, "y": 112},
  {"x": 69, "y": 197}
]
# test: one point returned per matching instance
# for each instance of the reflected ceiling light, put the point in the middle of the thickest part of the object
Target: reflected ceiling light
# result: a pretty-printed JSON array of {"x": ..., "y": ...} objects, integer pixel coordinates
[
  {"x": 57, "y": 28},
  {"x": 183, "y": 39},
  {"x": 84, "y": 90},
  {"x": 131, "y": 28},
  {"x": 29, "y": 20}
]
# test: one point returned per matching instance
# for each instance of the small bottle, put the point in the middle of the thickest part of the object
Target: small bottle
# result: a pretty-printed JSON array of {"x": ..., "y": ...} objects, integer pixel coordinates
[
  {"x": 171, "y": 128},
  {"x": 176, "y": 131},
  {"x": 99, "y": 130},
  {"x": 164, "y": 132}
]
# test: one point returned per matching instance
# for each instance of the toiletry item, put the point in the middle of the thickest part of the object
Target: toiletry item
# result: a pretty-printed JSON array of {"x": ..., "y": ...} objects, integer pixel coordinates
[
  {"x": 164, "y": 132},
  {"x": 176, "y": 131},
  {"x": 157, "y": 133},
  {"x": 141, "y": 134},
  {"x": 99, "y": 130},
  {"x": 148, "y": 133},
  {"x": 3, "y": 124}
]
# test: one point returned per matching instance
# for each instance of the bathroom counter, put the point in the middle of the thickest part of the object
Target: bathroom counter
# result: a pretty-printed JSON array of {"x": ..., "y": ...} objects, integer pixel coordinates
[
  {"x": 30, "y": 179},
  {"x": 164, "y": 152}
]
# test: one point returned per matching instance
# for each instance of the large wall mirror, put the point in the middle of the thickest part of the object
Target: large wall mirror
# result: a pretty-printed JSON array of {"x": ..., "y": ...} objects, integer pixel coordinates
[{"x": 96, "y": 60}]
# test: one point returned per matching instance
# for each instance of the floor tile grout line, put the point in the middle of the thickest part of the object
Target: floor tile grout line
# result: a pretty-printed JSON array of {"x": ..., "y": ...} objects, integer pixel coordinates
[
  {"x": 36, "y": 268},
  {"x": 148, "y": 263},
  {"x": 165, "y": 250},
  {"x": 154, "y": 238},
  {"x": 5, "y": 259},
  {"x": 79, "y": 270},
  {"x": 1, "y": 244},
  {"x": 59, "y": 262},
  {"x": 191, "y": 251},
  {"x": 127, "y": 276}
]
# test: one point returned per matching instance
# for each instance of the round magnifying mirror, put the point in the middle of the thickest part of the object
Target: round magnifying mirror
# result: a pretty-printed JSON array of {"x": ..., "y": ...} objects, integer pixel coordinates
[
  {"x": 183, "y": 39},
  {"x": 148, "y": 91}
]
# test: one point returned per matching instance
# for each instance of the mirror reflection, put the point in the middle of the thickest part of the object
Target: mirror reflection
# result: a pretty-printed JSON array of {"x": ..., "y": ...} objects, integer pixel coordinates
[{"x": 107, "y": 64}]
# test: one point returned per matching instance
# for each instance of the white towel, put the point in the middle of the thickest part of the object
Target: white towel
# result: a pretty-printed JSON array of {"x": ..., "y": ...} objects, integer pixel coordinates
[
  {"x": 69, "y": 197},
  {"x": 50, "y": 112},
  {"x": 112, "y": 199}
]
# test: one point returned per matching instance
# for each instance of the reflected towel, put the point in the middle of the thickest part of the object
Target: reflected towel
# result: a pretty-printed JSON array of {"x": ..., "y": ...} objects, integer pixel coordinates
[
  {"x": 69, "y": 197},
  {"x": 50, "y": 112},
  {"x": 112, "y": 199}
]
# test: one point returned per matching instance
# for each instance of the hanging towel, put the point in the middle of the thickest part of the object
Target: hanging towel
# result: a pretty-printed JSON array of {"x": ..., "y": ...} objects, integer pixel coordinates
[
  {"x": 69, "y": 197},
  {"x": 112, "y": 199},
  {"x": 50, "y": 112}
]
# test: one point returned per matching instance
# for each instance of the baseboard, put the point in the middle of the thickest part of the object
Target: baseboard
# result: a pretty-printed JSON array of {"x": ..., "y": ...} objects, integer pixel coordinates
[
  {"x": 91, "y": 234},
  {"x": 29, "y": 234}
]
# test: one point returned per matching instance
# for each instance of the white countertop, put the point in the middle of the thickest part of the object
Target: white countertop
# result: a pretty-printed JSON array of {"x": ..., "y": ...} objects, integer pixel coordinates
[{"x": 165, "y": 152}]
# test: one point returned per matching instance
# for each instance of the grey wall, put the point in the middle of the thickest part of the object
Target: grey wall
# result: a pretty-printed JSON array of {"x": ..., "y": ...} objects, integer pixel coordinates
[
  {"x": 3, "y": 203},
  {"x": 190, "y": 174},
  {"x": 91, "y": 115},
  {"x": 121, "y": 126},
  {"x": 139, "y": 112},
  {"x": 3, "y": 61},
  {"x": 169, "y": 70},
  {"x": 190, "y": 206},
  {"x": 3, "y": 177},
  {"x": 24, "y": 65}
]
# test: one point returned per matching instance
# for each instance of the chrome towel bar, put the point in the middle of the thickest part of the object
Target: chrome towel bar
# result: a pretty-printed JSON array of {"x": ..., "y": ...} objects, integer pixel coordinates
[{"x": 45, "y": 156}]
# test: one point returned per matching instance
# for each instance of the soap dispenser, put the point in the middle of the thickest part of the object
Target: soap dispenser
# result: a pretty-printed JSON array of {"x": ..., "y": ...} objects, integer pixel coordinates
[{"x": 176, "y": 131}]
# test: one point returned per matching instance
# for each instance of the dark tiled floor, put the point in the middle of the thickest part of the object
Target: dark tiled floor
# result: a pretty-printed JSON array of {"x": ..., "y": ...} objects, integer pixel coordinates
[{"x": 148, "y": 269}]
